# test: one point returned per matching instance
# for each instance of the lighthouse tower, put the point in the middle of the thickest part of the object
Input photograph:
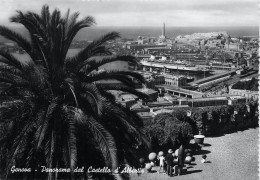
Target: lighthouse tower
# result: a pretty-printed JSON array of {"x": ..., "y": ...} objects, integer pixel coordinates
[
  {"x": 163, "y": 30},
  {"x": 163, "y": 33}
]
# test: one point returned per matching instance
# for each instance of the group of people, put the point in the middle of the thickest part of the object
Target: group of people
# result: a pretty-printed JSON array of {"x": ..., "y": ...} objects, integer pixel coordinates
[
  {"x": 169, "y": 162},
  {"x": 172, "y": 163}
]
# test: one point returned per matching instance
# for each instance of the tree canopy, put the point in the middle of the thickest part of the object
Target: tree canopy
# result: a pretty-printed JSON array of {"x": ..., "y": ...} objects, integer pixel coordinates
[
  {"x": 54, "y": 110},
  {"x": 170, "y": 129}
]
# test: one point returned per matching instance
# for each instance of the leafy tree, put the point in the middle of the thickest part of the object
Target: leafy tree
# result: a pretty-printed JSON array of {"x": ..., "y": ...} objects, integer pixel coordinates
[
  {"x": 169, "y": 130},
  {"x": 198, "y": 116},
  {"x": 54, "y": 110},
  {"x": 251, "y": 85}
]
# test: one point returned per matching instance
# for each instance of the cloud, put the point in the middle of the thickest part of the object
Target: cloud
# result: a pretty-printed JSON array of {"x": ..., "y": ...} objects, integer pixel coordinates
[{"x": 148, "y": 12}]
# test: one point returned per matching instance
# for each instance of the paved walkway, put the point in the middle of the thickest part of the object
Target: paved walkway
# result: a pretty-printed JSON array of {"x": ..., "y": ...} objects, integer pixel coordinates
[{"x": 232, "y": 157}]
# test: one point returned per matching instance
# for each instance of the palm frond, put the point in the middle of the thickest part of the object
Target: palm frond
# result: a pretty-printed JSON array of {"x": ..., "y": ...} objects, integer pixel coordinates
[
  {"x": 130, "y": 122},
  {"x": 42, "y": 128},
  {"x": 124, "y": 88},
  {"x": 51, "y": 153},
  {"x": 45, "y": 14},
  {"x": 95, "y": 62},
  {"x": 100, "y": 75},
  {"x": 72, "y": 144},
  {"x": 93, "y": 49},
  {"x": 93, "y": 97},
  {"x": 10, "y": 60},
  {"x": 103, "y": 138},
  {"x": 74, "y": 27},
  {"x": 119, "y": 79},
  {"x": 19, "y": 145},
  {"x": 31, "y": 21},
  {"x": 13, "y": 36},
  {"x": 69, "y": 82}
]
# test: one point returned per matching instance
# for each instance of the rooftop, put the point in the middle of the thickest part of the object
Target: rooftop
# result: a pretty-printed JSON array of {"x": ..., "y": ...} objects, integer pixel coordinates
[
  {"x": 136, "y": 106},
  {"x": 147, "y": 91},
  {"x": 142, "y": 114},
  {"x": 211, "y": 77},
  {"x": 162, "y": 111},
  {"x": 127, "y": 96},
  {"x": 179, "y": 89},
  {"x": 217, "y": 97}
]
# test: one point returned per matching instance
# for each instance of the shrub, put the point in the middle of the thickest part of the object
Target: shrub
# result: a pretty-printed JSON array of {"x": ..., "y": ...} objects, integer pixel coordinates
[{"x": 169, "y": 131}]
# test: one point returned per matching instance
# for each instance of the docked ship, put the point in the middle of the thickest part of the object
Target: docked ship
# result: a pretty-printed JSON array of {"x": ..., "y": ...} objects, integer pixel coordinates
[{"x": 171, "y": 66}]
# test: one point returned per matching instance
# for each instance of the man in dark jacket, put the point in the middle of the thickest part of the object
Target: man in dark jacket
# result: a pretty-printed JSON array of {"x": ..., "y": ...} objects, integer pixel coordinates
[{"x": 169, "y": 160}]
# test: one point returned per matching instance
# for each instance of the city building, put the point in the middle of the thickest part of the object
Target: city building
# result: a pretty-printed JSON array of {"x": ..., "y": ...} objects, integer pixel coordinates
[
  {"x": 212, "y": 101},
  {"x": 212, "y": 79},
  {"x": 152, "y": 79},
  {"x": 158, "y": 50},
  {"x": 179, "y": 92},
  {"x": 151, "y": 93},
  {"x": 234, "y": 46},
  {"x": 159, "y": 111},
  {"x": 245, "y": 93},
  {"x": 175, "y": 80},
  {"x": 140, "y": 47},
  {"x": 170, "y": 67},
  {"x": 126, "y": 99}
]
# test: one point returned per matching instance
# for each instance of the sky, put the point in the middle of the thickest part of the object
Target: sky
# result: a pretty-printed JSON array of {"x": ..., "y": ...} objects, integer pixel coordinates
[{"x": 147, "y": 12}]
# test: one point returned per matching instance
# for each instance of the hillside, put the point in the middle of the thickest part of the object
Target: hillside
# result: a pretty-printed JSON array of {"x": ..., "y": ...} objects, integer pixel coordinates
[{"x": 202, "y": 36}]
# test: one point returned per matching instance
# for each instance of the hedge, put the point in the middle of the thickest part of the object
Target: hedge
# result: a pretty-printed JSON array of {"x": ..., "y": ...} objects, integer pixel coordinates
[{"x": 168, "y": 128}]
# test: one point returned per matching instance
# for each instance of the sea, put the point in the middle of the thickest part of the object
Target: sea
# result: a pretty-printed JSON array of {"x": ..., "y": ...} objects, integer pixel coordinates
[
  {"x": 171, "y": 32},
  {"x": 92, "y": 33}
]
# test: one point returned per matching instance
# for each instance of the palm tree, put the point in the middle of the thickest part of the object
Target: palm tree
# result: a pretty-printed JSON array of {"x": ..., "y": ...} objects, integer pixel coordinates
[{"x": 55, "y": 112}]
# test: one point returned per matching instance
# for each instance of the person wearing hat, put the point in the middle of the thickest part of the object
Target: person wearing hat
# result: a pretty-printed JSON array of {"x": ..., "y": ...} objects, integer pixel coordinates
[
  {"x": 169, "y": 160},
  {"x": 204, "y": 157}
]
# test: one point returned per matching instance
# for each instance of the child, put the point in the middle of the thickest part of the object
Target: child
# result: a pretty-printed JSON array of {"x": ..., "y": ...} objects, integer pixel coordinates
[
  {"x": 161, "y": 159},
  {"x": 204, "y": 156}
]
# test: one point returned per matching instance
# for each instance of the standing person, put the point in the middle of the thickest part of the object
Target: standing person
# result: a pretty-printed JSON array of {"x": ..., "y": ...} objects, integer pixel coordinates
[
  {"x": 161, "y": 159},
  {"x": 204, "y": 156},
  {"x": 169, "y": 160},
  {"x": 141, "y": 165}
]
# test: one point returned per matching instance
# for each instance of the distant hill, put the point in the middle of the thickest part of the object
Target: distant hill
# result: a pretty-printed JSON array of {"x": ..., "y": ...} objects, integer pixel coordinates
[
  {"x": 202, "y": 36},
  {"x": 209, "y": 35}
]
